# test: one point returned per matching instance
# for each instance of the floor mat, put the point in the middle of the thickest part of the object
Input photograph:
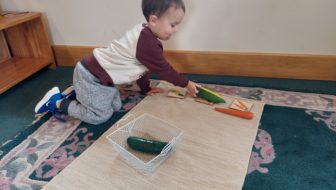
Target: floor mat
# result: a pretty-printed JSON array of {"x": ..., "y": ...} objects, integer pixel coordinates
[{"x": 296, "y": 138}]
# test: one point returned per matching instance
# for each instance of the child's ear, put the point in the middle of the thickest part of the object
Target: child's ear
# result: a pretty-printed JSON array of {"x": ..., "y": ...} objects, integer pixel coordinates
[{"x": 152, "y": 20}]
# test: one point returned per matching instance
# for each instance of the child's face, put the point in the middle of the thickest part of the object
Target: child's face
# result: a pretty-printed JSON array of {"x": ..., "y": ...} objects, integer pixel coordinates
[{"x": 166, "y": 25}]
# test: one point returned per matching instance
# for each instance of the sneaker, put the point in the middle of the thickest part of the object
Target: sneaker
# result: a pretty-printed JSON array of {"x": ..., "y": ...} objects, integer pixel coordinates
[
  {"x": 69, "y": 93},
  {"x": 48, "y": 102}
]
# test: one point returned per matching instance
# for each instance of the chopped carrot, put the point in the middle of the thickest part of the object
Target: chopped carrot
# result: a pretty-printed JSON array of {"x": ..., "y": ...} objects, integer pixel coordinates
[{"x": 237, "y": 113}]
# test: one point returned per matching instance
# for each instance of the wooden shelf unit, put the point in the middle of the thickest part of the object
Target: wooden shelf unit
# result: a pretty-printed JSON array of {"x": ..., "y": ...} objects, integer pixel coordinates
[{"x": 29, "y": 47}]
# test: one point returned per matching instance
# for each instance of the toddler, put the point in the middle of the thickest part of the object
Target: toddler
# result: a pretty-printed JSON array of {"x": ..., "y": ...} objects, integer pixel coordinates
[{"x": 131, "y": 58}]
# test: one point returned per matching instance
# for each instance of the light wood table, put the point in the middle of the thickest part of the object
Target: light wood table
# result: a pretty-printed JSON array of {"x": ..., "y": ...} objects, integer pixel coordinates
[{"x": 213, "y": 152}]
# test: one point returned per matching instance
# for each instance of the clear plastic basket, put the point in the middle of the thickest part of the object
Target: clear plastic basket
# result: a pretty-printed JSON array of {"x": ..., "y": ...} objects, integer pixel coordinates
[{"x": 146, "y": 126}]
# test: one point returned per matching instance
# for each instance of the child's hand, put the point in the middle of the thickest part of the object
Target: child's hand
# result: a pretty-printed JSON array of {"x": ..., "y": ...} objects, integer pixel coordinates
[
  {"x": 191, "y": 87},
  {"x": 154, "y": 91}
]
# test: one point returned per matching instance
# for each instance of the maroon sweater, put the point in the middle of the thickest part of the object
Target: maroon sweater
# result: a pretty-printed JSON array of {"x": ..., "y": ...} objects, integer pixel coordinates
[{"x": 149, "y": 52}]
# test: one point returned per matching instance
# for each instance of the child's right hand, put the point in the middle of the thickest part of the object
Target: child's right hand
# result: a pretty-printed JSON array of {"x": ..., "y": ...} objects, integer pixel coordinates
[{"x": 191, "y": 87}]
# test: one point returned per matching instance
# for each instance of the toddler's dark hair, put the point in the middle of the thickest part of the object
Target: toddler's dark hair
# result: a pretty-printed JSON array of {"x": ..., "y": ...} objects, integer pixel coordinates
[{"x": 159, "y": 7}]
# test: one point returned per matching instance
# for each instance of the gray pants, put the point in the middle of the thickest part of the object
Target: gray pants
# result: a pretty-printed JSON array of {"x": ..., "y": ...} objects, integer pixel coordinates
[{"x": 95, "y": 102}]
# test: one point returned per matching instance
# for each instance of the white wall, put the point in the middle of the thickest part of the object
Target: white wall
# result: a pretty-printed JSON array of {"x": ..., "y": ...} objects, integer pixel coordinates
[{"x": 281, "y": 26}]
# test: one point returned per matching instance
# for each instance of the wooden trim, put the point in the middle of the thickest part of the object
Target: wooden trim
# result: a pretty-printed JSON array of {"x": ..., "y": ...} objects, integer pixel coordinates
[
  {"x": 70, "y": 55},
  {"x": 269, "y": 65}
]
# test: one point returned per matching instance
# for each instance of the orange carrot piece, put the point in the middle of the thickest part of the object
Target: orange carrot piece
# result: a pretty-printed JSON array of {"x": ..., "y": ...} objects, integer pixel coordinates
[{"x": 237, "y": 113}]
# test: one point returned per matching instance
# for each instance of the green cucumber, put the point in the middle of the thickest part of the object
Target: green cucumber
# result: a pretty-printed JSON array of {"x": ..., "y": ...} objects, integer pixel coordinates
[
  {"x": 209, "y": 95},
  {"x": 146, "y": 145}
]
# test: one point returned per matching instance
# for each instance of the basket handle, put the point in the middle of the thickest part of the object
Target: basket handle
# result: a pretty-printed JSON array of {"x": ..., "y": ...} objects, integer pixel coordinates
[{"x": 124, "y": 119}]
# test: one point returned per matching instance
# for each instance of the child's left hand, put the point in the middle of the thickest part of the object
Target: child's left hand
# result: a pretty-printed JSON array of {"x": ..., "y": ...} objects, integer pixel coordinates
[{"x": 155, "y": 90}]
